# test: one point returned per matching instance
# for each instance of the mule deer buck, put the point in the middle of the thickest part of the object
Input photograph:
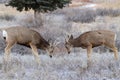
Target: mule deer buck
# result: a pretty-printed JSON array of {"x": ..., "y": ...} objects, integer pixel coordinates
[
  {"x": 26, "y": 37},
  {"x": 91, "y": 39}
]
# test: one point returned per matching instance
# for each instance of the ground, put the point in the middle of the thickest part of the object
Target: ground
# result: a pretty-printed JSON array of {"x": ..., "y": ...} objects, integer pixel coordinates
[{"x": 65, "y": 67}]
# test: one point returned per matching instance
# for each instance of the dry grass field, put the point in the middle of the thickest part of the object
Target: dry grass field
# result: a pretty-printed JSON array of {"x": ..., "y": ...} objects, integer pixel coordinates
[
  {"x": 64, "y": 67},
  {"x": 57, "y": 25}
]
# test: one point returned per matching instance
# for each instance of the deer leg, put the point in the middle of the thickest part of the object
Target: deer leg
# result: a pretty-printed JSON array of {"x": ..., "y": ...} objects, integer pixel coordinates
[
  {"x": 89, "y": 51},
  {"x": 7, "y": 51},
  {"x": 114, "y": 49},
  {"x": 35, "y": 52}
]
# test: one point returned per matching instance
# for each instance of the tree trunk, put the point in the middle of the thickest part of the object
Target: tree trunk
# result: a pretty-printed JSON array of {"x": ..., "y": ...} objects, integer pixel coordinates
[{"x": 38, "y": 19}]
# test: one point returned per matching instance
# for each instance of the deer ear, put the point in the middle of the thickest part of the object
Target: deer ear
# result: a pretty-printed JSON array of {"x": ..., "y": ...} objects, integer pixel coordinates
[{"x": 71, "y": 37}]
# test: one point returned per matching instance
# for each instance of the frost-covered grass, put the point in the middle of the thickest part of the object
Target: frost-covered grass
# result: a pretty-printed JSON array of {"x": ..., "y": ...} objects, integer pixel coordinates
[
  {"x": 72, "y": 66},
  {"x": 62, "y": 66}
]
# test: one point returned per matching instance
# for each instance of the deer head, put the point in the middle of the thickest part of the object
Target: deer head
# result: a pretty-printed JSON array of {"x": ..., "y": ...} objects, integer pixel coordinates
[
  {"x": 51, "y": 47},
  {"x": 68, "y": 44}
]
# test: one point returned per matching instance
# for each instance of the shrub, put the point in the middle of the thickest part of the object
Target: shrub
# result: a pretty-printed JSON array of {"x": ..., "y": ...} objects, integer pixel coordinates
[
  {"x": 55, "y": 26},
  {"x": 108, "y": 12},
  {"x": 82, "y": 15},
  {"x": 7, "y": 17},
  {"x": 86, "y": 15},
  {"x": 77, "y": 15}
]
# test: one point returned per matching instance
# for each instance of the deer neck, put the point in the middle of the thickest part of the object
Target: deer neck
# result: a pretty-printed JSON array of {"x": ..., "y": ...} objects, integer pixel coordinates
[
  {"x": 43, "y": 45},
  {"x": 75, "y": 43}
]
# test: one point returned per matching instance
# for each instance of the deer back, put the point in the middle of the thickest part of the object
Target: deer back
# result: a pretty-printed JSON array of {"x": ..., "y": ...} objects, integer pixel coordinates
[
  {"x": 24, "y": 36},
  {"x": 96, "y": 38}
]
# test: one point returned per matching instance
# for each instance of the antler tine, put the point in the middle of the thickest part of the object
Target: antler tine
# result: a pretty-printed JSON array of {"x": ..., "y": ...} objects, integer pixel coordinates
[
  {"x": 53, "y": 43},
  {"x": 50, "y": 42},
  {"x": 56, "y": 42},
  {"x": 66, "y": 36}
]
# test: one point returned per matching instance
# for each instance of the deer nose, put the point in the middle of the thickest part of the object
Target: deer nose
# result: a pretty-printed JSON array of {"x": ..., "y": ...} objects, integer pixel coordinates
[
  {"x": 68, "y": 52},
  {"x": 50, "y": 56}
]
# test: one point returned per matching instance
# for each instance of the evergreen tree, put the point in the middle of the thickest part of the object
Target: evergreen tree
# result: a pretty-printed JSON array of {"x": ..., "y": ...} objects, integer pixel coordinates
[{"x": 38, "y": 5}]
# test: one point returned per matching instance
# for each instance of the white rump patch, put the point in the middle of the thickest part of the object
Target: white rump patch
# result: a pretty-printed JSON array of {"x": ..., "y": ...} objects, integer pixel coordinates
[{"x": 4, "y": 33}]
